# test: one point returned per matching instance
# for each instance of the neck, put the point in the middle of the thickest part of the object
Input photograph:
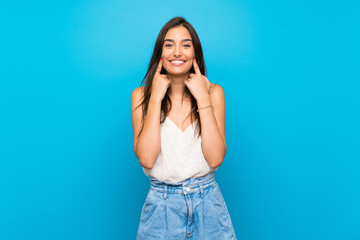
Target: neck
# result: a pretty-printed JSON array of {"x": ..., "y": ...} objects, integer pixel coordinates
[{"x": 177, "y": 85}]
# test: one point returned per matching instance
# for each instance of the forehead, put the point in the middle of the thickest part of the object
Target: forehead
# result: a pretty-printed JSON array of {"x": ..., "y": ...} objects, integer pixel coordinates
[{"x": 178, "y": 33}]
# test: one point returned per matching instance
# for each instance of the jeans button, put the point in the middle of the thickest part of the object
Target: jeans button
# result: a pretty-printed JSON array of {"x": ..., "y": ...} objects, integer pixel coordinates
[{"x": 188, "y": 189}]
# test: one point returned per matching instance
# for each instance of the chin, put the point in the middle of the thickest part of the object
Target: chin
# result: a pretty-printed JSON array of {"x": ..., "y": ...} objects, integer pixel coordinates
[{"x": 178, "y": 73}]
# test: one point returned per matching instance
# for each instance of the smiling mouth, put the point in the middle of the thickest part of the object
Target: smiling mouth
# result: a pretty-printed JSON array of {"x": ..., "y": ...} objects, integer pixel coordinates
[{"x": 177, "y": 62}]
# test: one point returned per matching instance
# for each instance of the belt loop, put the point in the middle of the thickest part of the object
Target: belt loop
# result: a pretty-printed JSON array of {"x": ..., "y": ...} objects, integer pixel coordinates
[
  {"x": 165, "y": 191},
  {"x": 202, "y": 191}
]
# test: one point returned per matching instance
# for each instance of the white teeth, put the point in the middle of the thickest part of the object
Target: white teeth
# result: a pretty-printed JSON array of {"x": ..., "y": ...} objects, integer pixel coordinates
[{"x": 177, "y": 61}]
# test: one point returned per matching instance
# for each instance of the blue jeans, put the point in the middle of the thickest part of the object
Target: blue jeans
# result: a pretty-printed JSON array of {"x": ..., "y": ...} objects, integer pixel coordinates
[{"x": 193, "y": 209}]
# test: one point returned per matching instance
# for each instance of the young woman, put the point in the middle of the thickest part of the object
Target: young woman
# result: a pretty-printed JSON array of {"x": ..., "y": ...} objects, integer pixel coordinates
[{"x": 179, "y": 140}]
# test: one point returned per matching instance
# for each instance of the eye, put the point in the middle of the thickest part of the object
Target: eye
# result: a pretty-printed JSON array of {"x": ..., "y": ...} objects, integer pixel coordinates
[
  {"x": 187, "y": 45},
  {"x": 168, "y": 45}
]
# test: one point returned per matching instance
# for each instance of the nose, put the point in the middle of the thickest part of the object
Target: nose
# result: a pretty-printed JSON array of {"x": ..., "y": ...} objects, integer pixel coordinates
[{"x": 177, "y": 51}]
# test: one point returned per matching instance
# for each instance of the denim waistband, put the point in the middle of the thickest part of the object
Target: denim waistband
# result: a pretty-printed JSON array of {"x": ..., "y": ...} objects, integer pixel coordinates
[{"x": 189, "y": 185}]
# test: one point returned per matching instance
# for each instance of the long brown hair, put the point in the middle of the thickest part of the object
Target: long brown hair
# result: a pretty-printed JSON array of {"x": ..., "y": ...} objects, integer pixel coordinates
[{"x": 166, "y": 102}]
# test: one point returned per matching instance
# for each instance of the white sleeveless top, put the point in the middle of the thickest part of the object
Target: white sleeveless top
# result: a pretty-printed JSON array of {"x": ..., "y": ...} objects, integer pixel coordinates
[{"x": 180, "y": 156}]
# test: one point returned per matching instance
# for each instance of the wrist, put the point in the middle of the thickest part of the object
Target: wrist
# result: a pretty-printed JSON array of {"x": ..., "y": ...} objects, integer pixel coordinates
[
  {"x": 204, "y": 101},
  {"x": 154, "y": 100}
]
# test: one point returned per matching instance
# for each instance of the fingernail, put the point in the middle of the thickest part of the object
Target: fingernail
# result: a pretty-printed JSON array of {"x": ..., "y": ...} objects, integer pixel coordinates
[
  {"x": 193, "y": 58},
  {"x": 161, "y": 58}
]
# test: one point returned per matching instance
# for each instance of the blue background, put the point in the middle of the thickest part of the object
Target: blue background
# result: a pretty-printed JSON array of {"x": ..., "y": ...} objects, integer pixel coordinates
[{"x": 290, "y": 71}]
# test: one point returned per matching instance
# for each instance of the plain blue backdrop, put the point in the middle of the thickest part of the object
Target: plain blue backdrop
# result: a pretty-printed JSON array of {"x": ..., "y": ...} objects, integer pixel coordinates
[{"x": 290, "y": 72}]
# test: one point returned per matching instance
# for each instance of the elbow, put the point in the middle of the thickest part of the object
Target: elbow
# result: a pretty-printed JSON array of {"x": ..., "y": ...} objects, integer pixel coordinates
[
  {"x": 145, "y": 160},
  {"x": 216, "y": 164},
  {"x": 217, "y": 161},
  {"x": 147, "y": 151},
  {"x": 146, "y": 163}
]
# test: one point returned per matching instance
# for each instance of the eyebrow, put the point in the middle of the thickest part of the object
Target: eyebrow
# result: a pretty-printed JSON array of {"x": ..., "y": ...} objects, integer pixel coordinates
[{"x": 172, "y": 40}]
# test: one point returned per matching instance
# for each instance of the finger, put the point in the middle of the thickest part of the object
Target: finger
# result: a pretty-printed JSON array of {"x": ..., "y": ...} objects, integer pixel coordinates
[
  {"x": 186, "y": 83},
  {"x": 206, "y": 78},
  {"x": 190, "y": 78},
  {"x": 196, "y": 67},
  {"x": 158, "y": 69},
  {"x": 191, "y": 75}
]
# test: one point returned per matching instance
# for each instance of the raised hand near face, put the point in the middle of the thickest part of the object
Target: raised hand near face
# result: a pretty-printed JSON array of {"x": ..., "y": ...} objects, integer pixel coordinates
[
  {"x": 159, "y": 84},
  {"x": 198, "y": 84}
]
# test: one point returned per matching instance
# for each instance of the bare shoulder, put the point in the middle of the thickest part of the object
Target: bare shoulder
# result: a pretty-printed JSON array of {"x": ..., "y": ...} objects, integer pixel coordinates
[
  {"x": 138, "y": 91},
  {"x": 216, "y": 92},
  {"x": 136, "y": 96},
  {"x": 217, "y": 99}
]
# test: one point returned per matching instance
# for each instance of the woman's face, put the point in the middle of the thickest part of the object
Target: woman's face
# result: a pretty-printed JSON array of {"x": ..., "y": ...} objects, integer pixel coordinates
[{"x": 178, "y": 46}]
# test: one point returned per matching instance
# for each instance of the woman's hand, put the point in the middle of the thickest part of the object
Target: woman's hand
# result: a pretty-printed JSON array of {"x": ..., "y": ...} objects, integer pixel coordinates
[
  {"x": 198, "y": 84},
  {"x": 159, "y": 84}
]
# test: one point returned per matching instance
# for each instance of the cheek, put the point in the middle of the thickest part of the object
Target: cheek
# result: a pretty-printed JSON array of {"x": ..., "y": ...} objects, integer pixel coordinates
[
  {"x": 164, "y": 52},
  {"x": 192, "y": 52}
]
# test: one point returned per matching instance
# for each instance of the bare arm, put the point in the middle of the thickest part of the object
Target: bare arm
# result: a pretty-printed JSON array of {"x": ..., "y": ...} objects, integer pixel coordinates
[
  {"x": 213, "y": 141},
  {"x": 147, "y": 145}
]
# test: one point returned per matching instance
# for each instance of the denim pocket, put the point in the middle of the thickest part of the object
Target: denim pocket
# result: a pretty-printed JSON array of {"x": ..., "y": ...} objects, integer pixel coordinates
[
  {"x": 221, "y": 198},
  {"x": 147, "y": 197},
  {"x": 146, "y": 203}
]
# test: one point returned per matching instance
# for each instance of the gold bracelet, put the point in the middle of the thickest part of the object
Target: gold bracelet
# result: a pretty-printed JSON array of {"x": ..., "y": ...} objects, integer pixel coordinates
[{"x": 203, "y": 107}]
